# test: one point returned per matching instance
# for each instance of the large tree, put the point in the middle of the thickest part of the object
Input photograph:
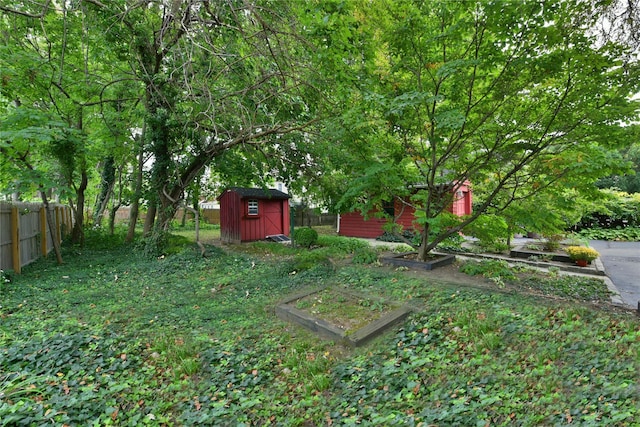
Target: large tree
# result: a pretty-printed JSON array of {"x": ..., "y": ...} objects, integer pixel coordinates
[
  {"x": 56, "y": 65},
  {"x": 215, "y": 77},
  {"x": 211, "y": 77},
  {"x": 516, "y": 97}
]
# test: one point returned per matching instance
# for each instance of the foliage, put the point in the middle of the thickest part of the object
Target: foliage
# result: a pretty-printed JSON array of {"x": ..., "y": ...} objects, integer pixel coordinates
[
  {"x": 114, "y": 339},
  {"x": 582, "y": 253},
  {"x": 455, "y": 94},
  {"x": 583, "y": 288},
  {"x": 311, "y": 260},
  {"x": 346, "y": 245},
  {"x": 5, "y": 277},
  {"x": 631, "y": 234},
  {"x": 617, "y": 210},
  {"x": 488, "y": 229},
  {"x": 453, "y": 243},
  {"x": 491, "y": 231},
  {"x": 409, "y": 236},
  {"x": 552, "y": 242},
  {"x": 628, "y": 183},
  {"x": 522, "y": 277},
  {"x": 461, "y": 350},
  {"x": 548, "y": 212},
  {"x": 494, "y": 247},
  {"x": 153, "y": 245},
  {"x": 365, "y": 256},
  {"x": 491, "y": 269},
  {"x": 305, "y": 236},
  {"x": 109, "y": 89}
]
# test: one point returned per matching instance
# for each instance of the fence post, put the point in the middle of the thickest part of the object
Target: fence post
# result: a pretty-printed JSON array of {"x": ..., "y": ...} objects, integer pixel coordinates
[
  {"x": 67, "y": 210},
  {"x": 15, "y": 239},
  {"x": 57, "y": 213},
  {"x": 43, "y": 231}
]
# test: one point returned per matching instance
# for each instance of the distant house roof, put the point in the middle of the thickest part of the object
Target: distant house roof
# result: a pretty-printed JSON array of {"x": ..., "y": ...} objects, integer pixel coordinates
[{"x": 257, "y": 193}]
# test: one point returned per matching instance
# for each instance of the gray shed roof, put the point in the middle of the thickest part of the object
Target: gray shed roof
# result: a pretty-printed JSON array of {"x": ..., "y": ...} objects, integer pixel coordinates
[{"x": 258, "y": 193}]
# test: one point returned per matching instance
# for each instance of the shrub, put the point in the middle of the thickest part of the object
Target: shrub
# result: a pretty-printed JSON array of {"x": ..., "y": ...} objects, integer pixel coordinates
[
  {"x": 582, "y": 253},
  {"x": 305, "y": 236},
  {"x": 618, "y": 210},
  {"x": 552, "y": 242}
]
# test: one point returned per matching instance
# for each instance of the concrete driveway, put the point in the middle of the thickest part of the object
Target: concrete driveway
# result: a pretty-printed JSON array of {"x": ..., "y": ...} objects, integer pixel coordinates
[{"x": 621, "y": 262}]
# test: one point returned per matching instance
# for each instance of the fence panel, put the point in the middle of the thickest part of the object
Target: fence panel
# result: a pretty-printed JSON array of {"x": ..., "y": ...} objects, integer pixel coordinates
[
  {"x": 22, "y": 227},
  {"x": 29, "y": 232},
  {"x": 306, "y": 217}
]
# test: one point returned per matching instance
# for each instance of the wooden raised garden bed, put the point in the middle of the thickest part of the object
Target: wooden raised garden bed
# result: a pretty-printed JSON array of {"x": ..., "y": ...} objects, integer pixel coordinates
[
  {"x": 340, "y": 315},
  {"x": 525, "y": 253},
  {"x": 410, "y": 260}
]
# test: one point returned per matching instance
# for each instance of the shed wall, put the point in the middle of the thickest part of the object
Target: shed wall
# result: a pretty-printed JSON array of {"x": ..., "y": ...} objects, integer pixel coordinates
[
  {"x": 273, "y": 219},
  {"x": 237, "y": 226},
  {"x": 353, "y": 224},
  {"x": 230, "y": 217}
]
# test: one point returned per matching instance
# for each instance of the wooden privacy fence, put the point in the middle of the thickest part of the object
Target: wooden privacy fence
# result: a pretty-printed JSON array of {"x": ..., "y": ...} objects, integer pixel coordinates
[{"x": 22, "y": 227}]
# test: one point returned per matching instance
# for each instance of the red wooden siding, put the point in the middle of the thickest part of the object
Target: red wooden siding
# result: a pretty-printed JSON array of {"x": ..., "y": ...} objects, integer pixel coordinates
[
  {"x": 462, "y": 200},
  {"x": 230, "y": 217},
  {"x": 236, "y": 225},
  {"x": 353, "y": 224}
]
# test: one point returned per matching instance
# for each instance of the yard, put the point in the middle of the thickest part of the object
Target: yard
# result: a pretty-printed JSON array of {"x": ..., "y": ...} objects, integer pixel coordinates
[{"x": 111, "y": 338}]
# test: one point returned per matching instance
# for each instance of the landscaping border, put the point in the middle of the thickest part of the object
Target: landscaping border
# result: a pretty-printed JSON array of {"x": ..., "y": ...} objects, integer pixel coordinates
[
  {"x": 287, "y": 312},
  {"x": 400, "y": 261}
]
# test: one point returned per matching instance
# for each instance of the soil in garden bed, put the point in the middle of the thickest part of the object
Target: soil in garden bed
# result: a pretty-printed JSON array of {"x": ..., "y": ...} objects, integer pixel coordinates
[
  {"x": 344, "y": 309},
  {"x": 537, "y": 251}
]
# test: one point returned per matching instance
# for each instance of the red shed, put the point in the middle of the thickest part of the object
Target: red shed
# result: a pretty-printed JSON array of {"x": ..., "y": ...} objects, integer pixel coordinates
[
  {"x": 353, "y": 224},
  {"x": 248, "y": 214}
]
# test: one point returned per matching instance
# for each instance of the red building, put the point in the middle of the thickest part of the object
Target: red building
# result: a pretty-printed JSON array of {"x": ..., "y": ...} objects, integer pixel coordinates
[
  {"x": 353, "y": 224},
  {"x": 248, "y": 214}
]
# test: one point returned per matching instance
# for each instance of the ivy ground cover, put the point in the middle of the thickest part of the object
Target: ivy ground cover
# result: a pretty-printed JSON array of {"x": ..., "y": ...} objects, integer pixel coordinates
[{"x": 114, "y": 339}]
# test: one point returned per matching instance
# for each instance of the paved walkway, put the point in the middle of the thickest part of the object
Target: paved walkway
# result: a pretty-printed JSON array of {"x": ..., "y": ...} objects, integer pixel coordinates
[{"x": 621, "y": 262}]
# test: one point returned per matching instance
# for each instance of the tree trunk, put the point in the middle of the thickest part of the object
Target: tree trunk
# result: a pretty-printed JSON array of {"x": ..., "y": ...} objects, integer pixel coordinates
[
  {"x": 112, "y": 217},
  {"x": 168, "y": 209},
  {"x": 422, "y": 250},
  {"x": 137, "y": 193},
  {"x": 106, "y": 189},
  {"x": 133, "y": 220},
  {"x": 183, "y": 222},
  {"x": 77, "y": 235},
  {"x": 149, "y": 220}
]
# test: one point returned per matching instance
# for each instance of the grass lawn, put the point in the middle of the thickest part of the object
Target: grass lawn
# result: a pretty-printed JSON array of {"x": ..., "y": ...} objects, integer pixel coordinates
[{"x": 111, "y": 338}]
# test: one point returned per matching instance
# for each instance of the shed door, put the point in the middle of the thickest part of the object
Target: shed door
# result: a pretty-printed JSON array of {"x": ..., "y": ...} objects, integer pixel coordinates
[{"x": 273, "y": 218}]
